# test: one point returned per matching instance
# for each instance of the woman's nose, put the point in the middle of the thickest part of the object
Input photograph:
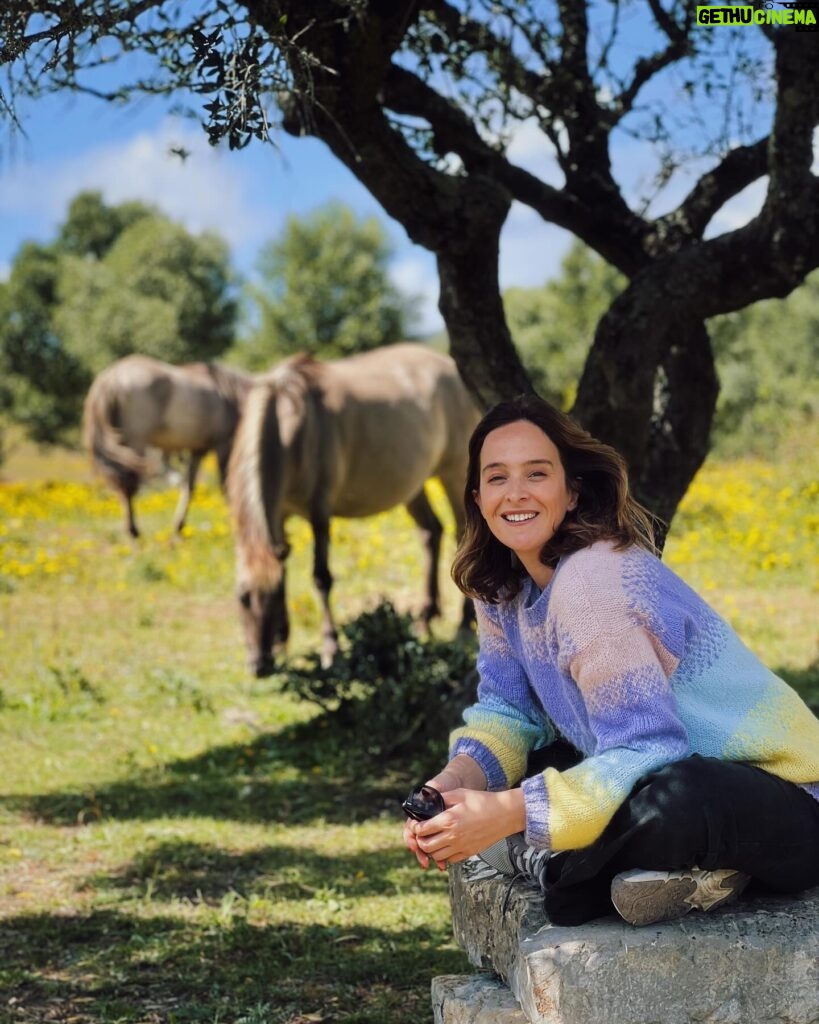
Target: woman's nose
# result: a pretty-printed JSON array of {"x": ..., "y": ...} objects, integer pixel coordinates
[{"x": 518, "y": 488}]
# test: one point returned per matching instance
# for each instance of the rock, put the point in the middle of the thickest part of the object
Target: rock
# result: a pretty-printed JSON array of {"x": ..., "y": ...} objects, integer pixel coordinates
[
  {"x": 473, "y": 999},
  {"x": 756, "y": 962}
]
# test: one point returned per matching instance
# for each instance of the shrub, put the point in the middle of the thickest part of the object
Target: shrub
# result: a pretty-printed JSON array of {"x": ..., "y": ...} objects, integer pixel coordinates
[{"x": 388, "y": 693}]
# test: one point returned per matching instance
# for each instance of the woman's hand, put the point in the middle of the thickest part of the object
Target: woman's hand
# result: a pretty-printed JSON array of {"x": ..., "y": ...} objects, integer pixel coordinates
[{"x": 472, "y": 821}]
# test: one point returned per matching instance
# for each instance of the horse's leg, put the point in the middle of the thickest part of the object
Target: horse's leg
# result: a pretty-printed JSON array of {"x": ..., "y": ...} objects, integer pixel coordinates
[
  {"x": 223, "y": 459},
  {"x": 323, "y": 579},
  {"x": 431, "y": 532},
  {"x": 126, "y": 497},
  {"x": 187, "y": 490},
  {"x": 452, "y": 481},
  {"x": 126, "y": 484}
]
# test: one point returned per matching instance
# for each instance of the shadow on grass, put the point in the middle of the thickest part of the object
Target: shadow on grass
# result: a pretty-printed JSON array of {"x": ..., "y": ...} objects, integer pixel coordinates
[
  {"x": 111, "y": 966},
  {"x": 276, "y": 872},
  {"x": 277, "y": 778}
]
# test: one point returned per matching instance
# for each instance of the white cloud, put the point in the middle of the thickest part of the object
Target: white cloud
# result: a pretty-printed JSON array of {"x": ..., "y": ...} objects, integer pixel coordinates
[
  {"x": 530, "y": 249},
  {"x": 740, "y": 209},
  {"x": 203, "y": 191},
  {"x": 530, "y": 149},
  {"x": 417, "y": 278}
]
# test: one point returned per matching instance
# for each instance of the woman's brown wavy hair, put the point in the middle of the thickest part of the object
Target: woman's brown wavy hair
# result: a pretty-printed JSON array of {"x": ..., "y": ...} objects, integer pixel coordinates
[{"x": 486, "y": 569}]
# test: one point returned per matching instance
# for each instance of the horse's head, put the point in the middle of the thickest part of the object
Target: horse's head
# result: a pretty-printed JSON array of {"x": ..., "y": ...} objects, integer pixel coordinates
[{"x": 263, "y": 611}]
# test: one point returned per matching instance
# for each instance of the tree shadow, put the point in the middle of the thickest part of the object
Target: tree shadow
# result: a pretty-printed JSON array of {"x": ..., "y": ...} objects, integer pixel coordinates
[
  {"x": 185, "y": 870},
  {"x": 109, "y": 965},
  {"x": 235, "y": 782}
]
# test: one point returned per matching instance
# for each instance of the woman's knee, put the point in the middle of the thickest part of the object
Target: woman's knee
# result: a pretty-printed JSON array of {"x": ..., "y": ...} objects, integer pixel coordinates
[
  {"x": 682, "y": 787},
  {"x": 674, "y": 809}
]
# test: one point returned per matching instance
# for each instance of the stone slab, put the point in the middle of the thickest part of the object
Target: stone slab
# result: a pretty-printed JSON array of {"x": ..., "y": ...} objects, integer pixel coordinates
[
  {"x": 474, "y": 999},
  {"x": 754, "y": 963}
]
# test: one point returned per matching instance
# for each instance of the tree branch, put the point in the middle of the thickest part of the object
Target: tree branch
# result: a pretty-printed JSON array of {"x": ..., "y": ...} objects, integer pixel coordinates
[
  {"x": 617, "y": 239},
  {"x": 72, "y": 21},
  {"x": 740, "y": 168}
]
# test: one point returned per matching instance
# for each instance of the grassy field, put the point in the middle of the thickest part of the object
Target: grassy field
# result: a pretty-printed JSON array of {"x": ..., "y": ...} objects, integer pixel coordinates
[{"x": 174, "y": 845}]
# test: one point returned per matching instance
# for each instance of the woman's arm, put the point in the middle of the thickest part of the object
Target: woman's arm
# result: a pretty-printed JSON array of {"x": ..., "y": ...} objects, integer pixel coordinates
[{"x": 507, "y": 721}]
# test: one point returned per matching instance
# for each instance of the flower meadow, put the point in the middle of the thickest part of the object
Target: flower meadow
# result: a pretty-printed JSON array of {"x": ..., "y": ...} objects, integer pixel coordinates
[{"x": 741, "y": 524}]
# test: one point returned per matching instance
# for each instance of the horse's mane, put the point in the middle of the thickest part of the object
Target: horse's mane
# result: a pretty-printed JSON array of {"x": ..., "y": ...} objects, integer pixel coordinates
[
  {"x": 232, "y": 383},
  {"x": 257, "y": 474}
]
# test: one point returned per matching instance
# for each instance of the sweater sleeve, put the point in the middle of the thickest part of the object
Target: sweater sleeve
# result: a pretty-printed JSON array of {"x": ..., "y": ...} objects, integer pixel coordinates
[
  {"x": 622, "y": 676},
  {"x": 506, "y": 722}
]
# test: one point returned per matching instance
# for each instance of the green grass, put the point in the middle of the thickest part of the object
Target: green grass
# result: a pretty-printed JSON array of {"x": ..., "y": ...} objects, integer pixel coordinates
[{"x": 180, "y": 842}]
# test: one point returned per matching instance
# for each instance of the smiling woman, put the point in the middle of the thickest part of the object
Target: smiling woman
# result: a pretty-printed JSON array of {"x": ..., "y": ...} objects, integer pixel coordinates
[
  {"x": 523, "y": 493},
  {"x": 693, "y": 768}
]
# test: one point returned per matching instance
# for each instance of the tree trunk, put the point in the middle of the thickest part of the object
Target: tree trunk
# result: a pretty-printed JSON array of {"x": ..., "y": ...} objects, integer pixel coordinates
[{"x": 650, "y": 388}]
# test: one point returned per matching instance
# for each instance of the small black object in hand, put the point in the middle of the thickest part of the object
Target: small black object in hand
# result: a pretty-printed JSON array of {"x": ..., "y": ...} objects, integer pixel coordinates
[{"x": 423, "y": 802}]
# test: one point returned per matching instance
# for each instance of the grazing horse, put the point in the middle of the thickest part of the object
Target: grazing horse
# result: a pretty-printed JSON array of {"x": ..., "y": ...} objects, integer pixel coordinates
[
  {"x": 139, "y": 402},
  {"x": 347, "y": 437}
]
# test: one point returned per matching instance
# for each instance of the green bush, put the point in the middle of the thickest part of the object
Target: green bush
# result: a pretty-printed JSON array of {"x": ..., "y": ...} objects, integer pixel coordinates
[{"x": 389, "y": 693}]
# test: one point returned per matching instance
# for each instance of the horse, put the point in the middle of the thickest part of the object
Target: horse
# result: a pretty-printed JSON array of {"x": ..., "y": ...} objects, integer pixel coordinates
[
  {"x": 348, "y": 437},
  {"x": 139, "y": 402}
]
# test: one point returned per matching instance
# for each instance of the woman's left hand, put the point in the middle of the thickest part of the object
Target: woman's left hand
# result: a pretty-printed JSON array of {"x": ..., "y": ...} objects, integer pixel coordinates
[{"x": 472, "y": 821}]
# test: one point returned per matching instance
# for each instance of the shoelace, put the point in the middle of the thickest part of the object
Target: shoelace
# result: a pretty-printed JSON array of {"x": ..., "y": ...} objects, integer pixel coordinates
[
  {"x": 508, "y": 893},
  {"x": 510, "y": 886}
]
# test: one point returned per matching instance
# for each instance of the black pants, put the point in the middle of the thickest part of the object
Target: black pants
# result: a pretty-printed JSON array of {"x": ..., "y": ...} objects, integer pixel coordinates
[{"x": 701, "y": 812}]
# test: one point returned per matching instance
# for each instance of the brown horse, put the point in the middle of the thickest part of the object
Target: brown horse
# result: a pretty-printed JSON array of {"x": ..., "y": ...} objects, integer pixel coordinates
[
  {"x": 139, "y": 402},
  {"x": 348, "y": 437}
]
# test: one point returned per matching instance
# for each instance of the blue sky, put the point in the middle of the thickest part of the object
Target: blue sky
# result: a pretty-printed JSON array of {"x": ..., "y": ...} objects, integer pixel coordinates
[{"x": 76, "y": 143}]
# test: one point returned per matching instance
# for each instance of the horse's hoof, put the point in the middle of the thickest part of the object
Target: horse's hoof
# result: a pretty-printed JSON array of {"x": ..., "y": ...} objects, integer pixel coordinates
[
  {"x": 328, "y": 654},
  {"x": 263, "y": 667}
]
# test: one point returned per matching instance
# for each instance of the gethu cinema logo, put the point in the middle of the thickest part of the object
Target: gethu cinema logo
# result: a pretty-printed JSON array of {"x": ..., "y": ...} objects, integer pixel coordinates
[{"x": 793, "y": 14}]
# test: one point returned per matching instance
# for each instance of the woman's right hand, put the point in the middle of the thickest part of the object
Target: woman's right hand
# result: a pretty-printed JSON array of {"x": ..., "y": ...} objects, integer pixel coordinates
[
  {"x": 462, "y": 772},
  {"x": 411, "y": 844}
]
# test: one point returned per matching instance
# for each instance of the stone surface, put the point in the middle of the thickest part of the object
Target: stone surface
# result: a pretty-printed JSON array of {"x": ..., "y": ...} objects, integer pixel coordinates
[
  {"x": 754, "y": 963},
  {"x": 474, "y": 999}
]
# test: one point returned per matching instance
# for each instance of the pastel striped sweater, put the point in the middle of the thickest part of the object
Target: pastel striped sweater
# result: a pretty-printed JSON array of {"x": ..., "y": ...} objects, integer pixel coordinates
[{"x": 624, "y": 660}]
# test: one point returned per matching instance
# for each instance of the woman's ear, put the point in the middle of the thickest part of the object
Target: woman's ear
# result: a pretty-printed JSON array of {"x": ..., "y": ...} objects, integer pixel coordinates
[{"x": 477, "y": 498}]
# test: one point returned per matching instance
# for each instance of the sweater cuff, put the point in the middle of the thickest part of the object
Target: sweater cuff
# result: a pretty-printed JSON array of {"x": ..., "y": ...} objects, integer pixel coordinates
[
  {"x": 489, "y": 764},
  {"x": 536, "y": 802}
]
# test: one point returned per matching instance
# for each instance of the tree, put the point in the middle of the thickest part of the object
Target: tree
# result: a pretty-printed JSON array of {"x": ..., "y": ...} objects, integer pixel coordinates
[
  {"x": 158, "y": 290},
  {"x": 326, "y": 288},
  {"x": 91, "y": 226},
  {"x": 117, "y": 279},
  {"x": 420, "y": 99},
  {"x": 41, "y": 382}
]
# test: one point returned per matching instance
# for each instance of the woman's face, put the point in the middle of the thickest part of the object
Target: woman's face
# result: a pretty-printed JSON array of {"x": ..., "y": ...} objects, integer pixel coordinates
[{"x": 523, "y": 494}]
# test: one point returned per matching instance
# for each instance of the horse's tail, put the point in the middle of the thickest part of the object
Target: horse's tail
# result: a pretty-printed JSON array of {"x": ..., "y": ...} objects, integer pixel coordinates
[
  {"x": 103, "y": 439},
  {"x": 255, "y": 483}
]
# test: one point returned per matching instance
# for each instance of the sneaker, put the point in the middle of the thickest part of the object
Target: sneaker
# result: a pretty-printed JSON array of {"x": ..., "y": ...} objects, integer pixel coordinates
[
  {"x": 514, "y": 858},
  {"x": 647, "y": 897}
]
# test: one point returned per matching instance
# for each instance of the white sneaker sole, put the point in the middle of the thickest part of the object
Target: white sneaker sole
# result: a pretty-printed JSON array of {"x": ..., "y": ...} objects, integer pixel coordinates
[{"x": 649, "y": 897}]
